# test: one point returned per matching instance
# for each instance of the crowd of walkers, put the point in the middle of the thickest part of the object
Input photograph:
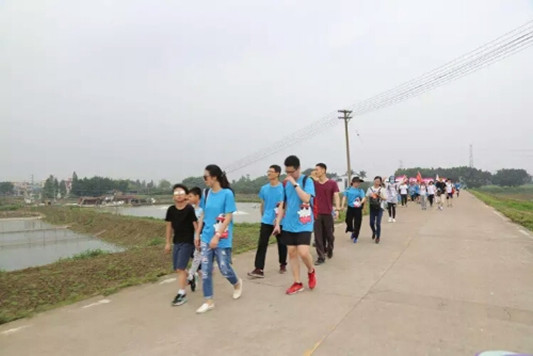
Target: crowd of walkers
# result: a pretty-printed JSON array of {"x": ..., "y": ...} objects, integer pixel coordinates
[{"x": 200, "y": 223}]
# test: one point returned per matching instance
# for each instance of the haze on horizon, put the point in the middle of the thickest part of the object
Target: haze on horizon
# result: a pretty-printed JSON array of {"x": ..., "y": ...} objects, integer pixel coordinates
[{"x": 152, "y": 90}]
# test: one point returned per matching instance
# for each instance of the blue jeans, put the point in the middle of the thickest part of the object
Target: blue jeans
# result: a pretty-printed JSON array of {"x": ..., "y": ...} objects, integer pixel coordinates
[
  {"x": 223, "y": 257},
  {"x": 375, "y": 221}
]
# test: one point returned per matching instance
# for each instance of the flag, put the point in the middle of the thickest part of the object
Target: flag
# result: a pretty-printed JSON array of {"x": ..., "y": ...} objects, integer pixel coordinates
[{"x": 419, "y": 177}]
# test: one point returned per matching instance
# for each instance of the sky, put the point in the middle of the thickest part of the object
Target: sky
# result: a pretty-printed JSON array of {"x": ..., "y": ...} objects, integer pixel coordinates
[{"x": 159, "y": 89}]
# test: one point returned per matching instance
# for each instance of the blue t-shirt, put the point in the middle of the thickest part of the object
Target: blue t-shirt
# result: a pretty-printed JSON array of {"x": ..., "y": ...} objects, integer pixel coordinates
[
  {"x": 215, "y": 207},
  {"x": 298, "y": 216},
  {"x": 352, "y": 195},
  {"x": 271, "y": 197}
]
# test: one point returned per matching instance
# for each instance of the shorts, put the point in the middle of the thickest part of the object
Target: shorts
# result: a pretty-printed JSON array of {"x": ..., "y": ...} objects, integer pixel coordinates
[
  {"x": 181, "y": 254},
  {"x": 449, "y": 196},
  {"x": 296, "y": 238}
]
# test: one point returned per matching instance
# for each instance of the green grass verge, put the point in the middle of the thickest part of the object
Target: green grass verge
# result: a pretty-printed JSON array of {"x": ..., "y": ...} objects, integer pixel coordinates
[
  {"x": 519, "y": 211},
  {"x": 91, "y": 273}
]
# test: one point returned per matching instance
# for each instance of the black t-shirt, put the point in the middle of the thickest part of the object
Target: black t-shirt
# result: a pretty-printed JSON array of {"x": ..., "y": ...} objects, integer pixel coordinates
[
  {"x": 441, "y": 187},
  {"x": 182, "y": 223}
]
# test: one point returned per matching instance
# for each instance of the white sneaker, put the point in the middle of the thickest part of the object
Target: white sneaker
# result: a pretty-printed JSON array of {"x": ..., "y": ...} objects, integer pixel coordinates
[
  {"x": 390, "y": 219},
  {"x": 237, "y": 292},
  {"x": 393, "y": 220},
  {"x": 205, "y": 308}
]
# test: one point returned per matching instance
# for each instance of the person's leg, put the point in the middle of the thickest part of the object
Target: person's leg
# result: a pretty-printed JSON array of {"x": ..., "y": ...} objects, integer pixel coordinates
[
  {"x": 262, "y": 246},
  {"x": 282, "y": 252},
  {"x": 196, "y": 261},
  {"x": 358, "y": 218},
  {"x": 379, "y": 216},
  {"x": 328, "y": 229},
  {"x": 389, "y": 210},
  {"x": 207, "y": 272},
  {"x": 393, "y": 211},
  {"x": 319, "y": 238},
  {"x": 223, "y": 256},
  {"x": 373, "y": 222},
  {"x": 295, "y": 263},
  {"x": 350, "y": 219}
]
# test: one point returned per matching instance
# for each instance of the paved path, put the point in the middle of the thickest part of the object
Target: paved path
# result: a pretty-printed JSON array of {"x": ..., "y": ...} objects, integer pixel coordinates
[{"x": 455, "y": 282}]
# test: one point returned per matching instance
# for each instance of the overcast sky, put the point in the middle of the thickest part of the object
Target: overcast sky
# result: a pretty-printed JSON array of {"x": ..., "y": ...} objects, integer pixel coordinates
[{"x": 159, "y": 89}]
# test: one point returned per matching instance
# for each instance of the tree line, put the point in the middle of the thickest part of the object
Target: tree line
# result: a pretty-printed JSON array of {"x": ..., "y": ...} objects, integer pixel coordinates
[{"x": 472, "y": 177}]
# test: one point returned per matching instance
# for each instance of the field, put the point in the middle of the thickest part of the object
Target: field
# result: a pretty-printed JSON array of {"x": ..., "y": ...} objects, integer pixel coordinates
[
  {"x": 514, "y": 202},
  {"x": 35, "y": 289}
]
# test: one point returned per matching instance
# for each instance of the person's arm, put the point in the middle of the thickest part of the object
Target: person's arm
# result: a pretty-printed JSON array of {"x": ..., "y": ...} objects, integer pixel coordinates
[
  {"x": 304, "y": 197},
  {"x": 337, "y": 204},
  {"x": 279, "y": 217},
  {"x": 168, "y": 236},
  {"x": 262, "y": 208},
  {"x": 343, "y": 202},
  {"x": 216, "y": 238},
  {"x": 199, "y": 225}
]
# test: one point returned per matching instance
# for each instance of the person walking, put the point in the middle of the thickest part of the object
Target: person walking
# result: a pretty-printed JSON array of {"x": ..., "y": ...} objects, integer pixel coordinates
[
  {"x": 449, "y": 193},
  {"x": 296, "y": 217},
  {"x": 354, "y": 199},
  {"x": 392, "y": 199},
  {"x": 423, "y": 196},
  {"x": 404, "y": 189},
  {"x": 272, "y": 196},
  {"x": 216, "y": 239},
  {"x": 431, "y": 190},
  {"x": 326, "y": 191},
  {"x": 376, "y": 195}
]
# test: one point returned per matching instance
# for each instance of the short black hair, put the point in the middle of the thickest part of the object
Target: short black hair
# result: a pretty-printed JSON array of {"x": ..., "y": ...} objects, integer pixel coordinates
[
  {"x": 176, "y": 186},
  {"x": 276, "y": 168},
  {"x": 322, "y": 165},
  {"x": 292, "y": 161},
  {"x": 196, "y": 191}
]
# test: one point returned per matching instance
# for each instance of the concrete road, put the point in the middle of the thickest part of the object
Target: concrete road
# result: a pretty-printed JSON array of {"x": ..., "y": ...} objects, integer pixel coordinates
[{"x": 452, "y": 282}]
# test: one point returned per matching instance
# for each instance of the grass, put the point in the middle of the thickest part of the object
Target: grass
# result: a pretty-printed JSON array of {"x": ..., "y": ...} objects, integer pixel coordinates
[
  {"x": 516, "y": 203},
  {"x": 95, "y": 272}
]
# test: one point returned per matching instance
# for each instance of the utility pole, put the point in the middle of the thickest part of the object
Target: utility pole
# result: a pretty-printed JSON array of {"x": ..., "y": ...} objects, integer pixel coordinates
[
  {"x": 471, "y": 156},
  {"x": 346, "y": 117}
]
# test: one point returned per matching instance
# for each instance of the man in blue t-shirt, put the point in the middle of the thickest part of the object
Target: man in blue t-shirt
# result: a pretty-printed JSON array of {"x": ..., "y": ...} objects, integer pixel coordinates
[
  {"x": 297, "y": 220},
  {"x": 272, "y": 196}
]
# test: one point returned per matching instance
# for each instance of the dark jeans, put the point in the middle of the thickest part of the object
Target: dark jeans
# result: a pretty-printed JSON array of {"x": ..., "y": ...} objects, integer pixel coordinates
[
  {"x": 404, "y": 199},
  {"x": 354, "y": 216},
  {"x": 391, "y": 207},
  {"x": 430, "y": 198},
  {"x": 375, "y": 221},
  {"x": 324, "y": 237},
  {"x": 262, "y": 246}
]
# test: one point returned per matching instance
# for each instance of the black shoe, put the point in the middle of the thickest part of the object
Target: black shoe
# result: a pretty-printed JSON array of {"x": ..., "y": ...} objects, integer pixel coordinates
[
  {"x": 373, "y": 236},
  {"x": 179, "y": 300},
  {"x": 377, "y": 240},
  {"x": 330, "y": 254},
  {"x": 256, "y": 273},
  {"x": 319, "y": 262},
  {"x": 192, "y": 283}
]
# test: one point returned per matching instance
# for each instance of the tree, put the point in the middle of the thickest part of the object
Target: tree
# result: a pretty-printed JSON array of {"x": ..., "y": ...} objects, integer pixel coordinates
[
  {"x": 63, "y": 188},
  {"x": 49, "y": 188},
  {"x": 164, "y": 185},
  {"x": 190, "y": 182},
  {"x": 362, "y": 174},
  {"x": 511, "y": 177},
  {"x": 75, "y": 188},
  {"x": 6, "y": 188}
]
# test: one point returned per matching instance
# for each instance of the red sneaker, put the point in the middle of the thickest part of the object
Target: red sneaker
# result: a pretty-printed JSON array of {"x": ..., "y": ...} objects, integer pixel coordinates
[
  {"x": 295, "y": 288},
  {"x": 312, "y": 279}
]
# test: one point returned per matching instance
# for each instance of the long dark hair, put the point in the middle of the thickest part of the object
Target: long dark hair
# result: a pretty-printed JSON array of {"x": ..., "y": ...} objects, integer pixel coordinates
[{"x": 215, "y": 171}]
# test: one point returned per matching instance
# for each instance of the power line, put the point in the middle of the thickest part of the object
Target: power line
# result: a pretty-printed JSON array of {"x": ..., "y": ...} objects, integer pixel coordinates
[{"x": 491, "y": 52}]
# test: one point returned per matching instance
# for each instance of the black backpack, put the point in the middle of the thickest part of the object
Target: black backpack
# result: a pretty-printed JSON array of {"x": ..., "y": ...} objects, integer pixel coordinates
[{"x": 375, "y": 203}]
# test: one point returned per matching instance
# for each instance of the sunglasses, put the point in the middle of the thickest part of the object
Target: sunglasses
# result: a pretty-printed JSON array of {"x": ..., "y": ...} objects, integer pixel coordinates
[{"x": 180, "y": 192}]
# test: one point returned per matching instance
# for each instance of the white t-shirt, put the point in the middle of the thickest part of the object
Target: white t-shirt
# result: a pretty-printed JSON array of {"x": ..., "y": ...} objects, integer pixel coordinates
[
  {"x": 403, "y": 189},
  {"x": 449, "y": 188},
  {"x": 431, "y": 189},
  {"x": 423, "y": 190}
]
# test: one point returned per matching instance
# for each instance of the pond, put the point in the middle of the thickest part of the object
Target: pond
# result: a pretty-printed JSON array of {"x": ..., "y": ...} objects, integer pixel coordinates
[
  {"x": 246, "y": 212},
  {"x": 32, "y": 242}
]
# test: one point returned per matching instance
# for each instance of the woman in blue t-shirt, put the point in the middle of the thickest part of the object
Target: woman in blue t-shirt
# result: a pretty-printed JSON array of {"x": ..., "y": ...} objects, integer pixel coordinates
[
  {"x": 354, "y": 198},
  {"x": 216, "y": 238}
]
